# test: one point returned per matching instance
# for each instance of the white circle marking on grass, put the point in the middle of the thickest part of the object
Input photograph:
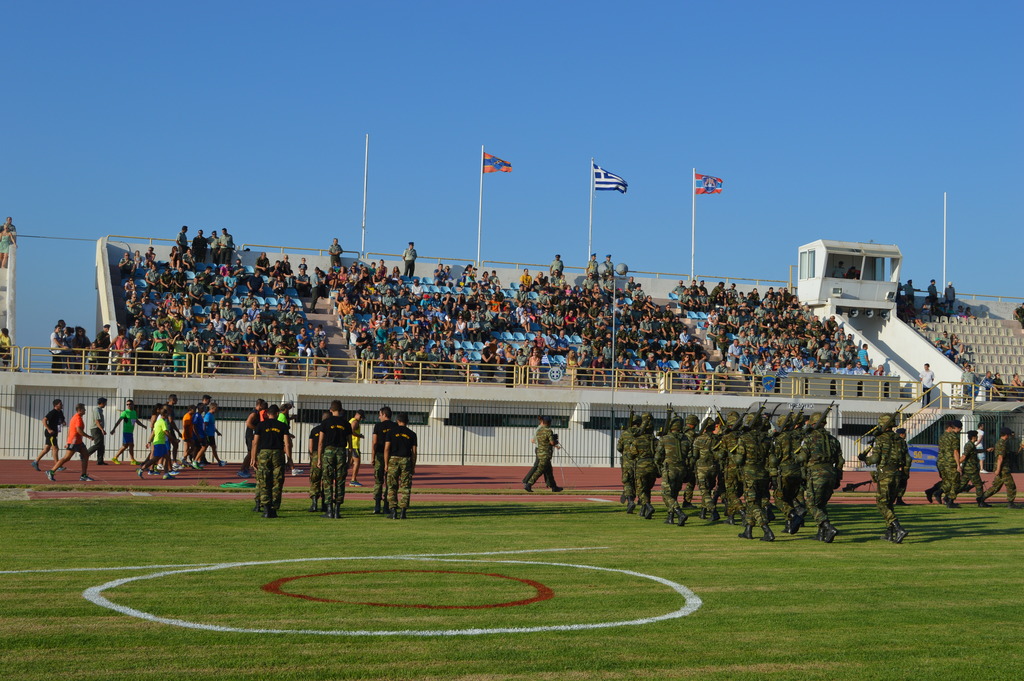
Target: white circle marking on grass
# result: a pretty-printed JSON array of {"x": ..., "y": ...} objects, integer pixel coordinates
[{"x": 691, "y": 602}]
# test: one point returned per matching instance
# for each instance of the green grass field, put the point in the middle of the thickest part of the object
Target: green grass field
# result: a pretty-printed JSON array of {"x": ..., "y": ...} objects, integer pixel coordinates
[{"x": 946, "y": 604}]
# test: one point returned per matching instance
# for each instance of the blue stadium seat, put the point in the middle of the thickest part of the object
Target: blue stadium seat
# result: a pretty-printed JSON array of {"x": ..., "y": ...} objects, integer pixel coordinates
[
  {"x": 477, "y": 345},
  {"x": 272, "y": 301},
  {"x": 672, "y": 296},
  {"x": 249, "y": 269},
  {"x": 674, "y": 365},
  {"x": 291, "y": 292},
  {"x": 506, "y": 336},
  {"x": 519, "y": 336},
  {"x": 530, "y": 336},
  {"x": 475, "y": 356},
  {"x": 260, "y": 301}
]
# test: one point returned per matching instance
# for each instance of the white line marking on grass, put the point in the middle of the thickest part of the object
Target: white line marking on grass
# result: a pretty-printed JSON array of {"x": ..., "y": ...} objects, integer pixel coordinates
[
  {"x": 691, "y": 601},
  {"x": 140, "y": 494},
  {"x": 296, "y": 560},
  {"x": 607, "y": 501}
]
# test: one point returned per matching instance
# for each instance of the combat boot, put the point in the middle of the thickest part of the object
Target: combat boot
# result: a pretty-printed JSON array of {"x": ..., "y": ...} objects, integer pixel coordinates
[
  {"x": 771, "y": 514},
  {"x": 730, "y": 519},
  {"x": 821, "y": 532},
  {"x": 747, "y": 533},
  {"x": 258, "y": 508},
  {"x": 682, "y": 517},
  {"x": 670, "y": 518},
  {"x": 376, "y": 506},
  {"x": 314, "y": 506},
  {"x": 983, "y": 504},
  {"x": 556, "y": 489},
  {"x": 630, "y": 505},
  {"x": 1014, "y": 505},
  {"x": 271, "y": 512},
  {"x": 384, "y": 507},
  {"x": 402, "y": 515},
  {"x": 768, "y": 534},
  {"x": 328, "y": 511},
  {"x": 829, "y": 532},
  {"x": 888, "y": 533},
  {"x": 798, "y": 521},
  {"x": 528, "y": 487},
  {"x": 393, "y": 515},
  {"x": 788, "y": 529},
  {"x": 951, "y": 504},
  {"x": 900, "y": 502},
  {"x": 688, "y": 504},
  {"x": 646, "y": 511},
  {"x": 898, "y": 533},
  {"x": 715, "y": 515},
  {"x": 703, "y": 514},
  {"x": 622, "y": 497},
  {"x": 933, "y": 491},
  {"x": 968, "y": 487}
]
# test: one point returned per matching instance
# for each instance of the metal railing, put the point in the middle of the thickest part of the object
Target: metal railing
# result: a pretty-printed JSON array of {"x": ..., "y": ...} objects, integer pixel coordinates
[
  {"x": 556, "y": 376},
  {"x": 291, "y": 249}
]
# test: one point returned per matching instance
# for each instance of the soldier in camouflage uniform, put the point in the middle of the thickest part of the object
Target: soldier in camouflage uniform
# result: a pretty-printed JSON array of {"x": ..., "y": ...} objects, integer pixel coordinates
[
  {"x": 627, "y": 451},
  {"x": 546, "y": 444},
  {"x": 690, "y": 472},
  {"x": 646, "y": 470},
  {"x": 733, "y": 489},
  {"x": 316, "y": 491},
  {"x": 271, "y": 444},
  {"x": 950, "y": 463},
  {"x": 887, "y": 457},
  {"x": 972, "y": 470},
  {"x": 708, "y": 470},
  {"x": 672, "y": 456},
  {"x": 822, "y": 472},
  {"x": 789, "y": 479},
  {"x": 751, "y": 459},
  {"x": 1003, "y": 475},
  {"x": 908, "y": 461}
]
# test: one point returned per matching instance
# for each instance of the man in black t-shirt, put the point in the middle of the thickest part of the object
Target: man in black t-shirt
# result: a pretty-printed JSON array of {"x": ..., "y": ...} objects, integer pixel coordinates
[
  {"x": 400, "y": 464},
  {"x": 53, "y": 420},
  {"x": 380, "y": 437},
  {"x": 316, "y": 492},
  {"x": 332, "y": 453},
  {"x": 271, "y": 444}
]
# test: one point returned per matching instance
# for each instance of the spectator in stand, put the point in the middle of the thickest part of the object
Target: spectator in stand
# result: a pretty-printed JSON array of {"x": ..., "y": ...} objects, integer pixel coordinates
[
  {"x": 227, "y": 247},
  {"x": 5, "y": 347},
  {"x": 409, "y": 258},
  {"x": 933, "y": 295},
  {"x": 927, "y": 379},
  {"x": 950, "y": 295},
  {"x": 335, "y": 251},
  {"x": 8, "y": 238},
  {"x": 199, "y": 247},
  {"x": 182, "y": 241}
]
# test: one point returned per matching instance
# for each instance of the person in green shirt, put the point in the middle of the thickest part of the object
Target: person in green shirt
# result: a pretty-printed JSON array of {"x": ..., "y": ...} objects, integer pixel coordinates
[
  {"x": 129, "y": 417},
  {"x": 161, "y": 445}
]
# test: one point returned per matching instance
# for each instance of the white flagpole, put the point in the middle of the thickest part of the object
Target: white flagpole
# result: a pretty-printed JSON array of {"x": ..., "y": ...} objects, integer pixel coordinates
[
  {"x": 693, "y": 223},
  {"x": 944, "y": 239},
  {"x": 366, "y": 172},
  {"x": 480, "y": 215},
  {"x": 590, "y": 227}
]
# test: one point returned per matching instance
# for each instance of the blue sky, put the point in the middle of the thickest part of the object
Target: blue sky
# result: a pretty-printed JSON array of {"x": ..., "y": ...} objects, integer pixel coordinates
[{"x": 826, "y": 120}]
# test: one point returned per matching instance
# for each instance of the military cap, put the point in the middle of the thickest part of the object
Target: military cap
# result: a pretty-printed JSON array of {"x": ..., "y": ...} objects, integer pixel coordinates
[
  {"x": 903, "y": 431},
  {"x": 750, "y": 420},
  {"x": 783, "y": 421},
  {"x": 955, "y": 423},
  {"x": 732, "y": 419},
  {"x": 816, "y": 419},
  {"x": 692, "y": 420},
  {"x": 676, "y": 424},
  {"x": 708, "y": 424},
  {"x": 885, "y": 421},
  {"x": 1005, "y": 431}
]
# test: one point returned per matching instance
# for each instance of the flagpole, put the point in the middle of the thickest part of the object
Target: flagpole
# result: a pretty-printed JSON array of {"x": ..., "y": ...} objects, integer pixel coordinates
[
  {"x": 366, "y": 172},
  {"x": 480, "y": 215},
  {"x": 944, "y": 238},
  {"x": 693, "y": 224},
  {"x": 590, "y": 227}
]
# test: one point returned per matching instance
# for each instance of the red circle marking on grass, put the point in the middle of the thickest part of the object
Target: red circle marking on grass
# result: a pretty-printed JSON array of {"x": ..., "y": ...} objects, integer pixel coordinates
[{"x": 543, "y": 592}]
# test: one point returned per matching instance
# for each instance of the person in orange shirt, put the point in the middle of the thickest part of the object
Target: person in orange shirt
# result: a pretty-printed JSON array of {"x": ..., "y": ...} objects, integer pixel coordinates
[{"x": 76, "y": 437}]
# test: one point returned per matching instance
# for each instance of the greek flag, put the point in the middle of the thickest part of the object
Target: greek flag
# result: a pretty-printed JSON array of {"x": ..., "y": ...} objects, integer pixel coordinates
[{"x": 605, "y": 181}]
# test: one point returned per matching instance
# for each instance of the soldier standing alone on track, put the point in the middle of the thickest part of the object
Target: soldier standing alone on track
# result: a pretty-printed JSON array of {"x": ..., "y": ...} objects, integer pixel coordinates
[{"x": 546, "y": 442}]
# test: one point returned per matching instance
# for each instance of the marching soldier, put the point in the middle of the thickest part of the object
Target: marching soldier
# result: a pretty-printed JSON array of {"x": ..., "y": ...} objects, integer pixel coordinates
[
  {"x": 823, "y": 473},
  {"x": 708, "y": 470},
  {"x": 546, "y": 442},
  {"x": 751, "y": 460},
  {"x": 690, "y": 471},
  {"x": 672, "y": 458},
  {"x": 627, "y": 451},
  {"x": 887, "y": 457},
  {"x": 733, "y": 489},
  {"x": 646, "y": 471},
  {"x": 1003, "y": 475},
  {"x": 972, "y": 469},
  {"x": 950, "y": 463},
  {"x": 789, "y": 479},
  {"x": 908, "y": 461}
]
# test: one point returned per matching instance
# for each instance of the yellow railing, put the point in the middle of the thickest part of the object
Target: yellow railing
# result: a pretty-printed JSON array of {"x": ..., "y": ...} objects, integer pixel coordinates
[
  {"x": 290, "y": 249},
  {"x": 262, "y": 367},
  {"x": 91, "y": 361},
  {"x": 274, "y": 366}
]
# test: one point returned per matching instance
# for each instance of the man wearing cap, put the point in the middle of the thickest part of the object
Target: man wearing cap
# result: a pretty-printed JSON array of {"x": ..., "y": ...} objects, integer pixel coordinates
[
  {"x": 609, "y": 267},
  {"x": 887, "y": 457},
  {"x": 592, "y": 266},
  {"x": 409, "y": 257},
  {"x": 972, "y": 469},
  {"x": 950, "y": 294},
  {"x": 546, "y": 443},
  {"x": 950, "y": 463},
  {"x": 97, "y": 429},
  {"x": 823, "y": 466},
  {"x": 557, "y": 267},
  {"x": 1003, "y": 475}
]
